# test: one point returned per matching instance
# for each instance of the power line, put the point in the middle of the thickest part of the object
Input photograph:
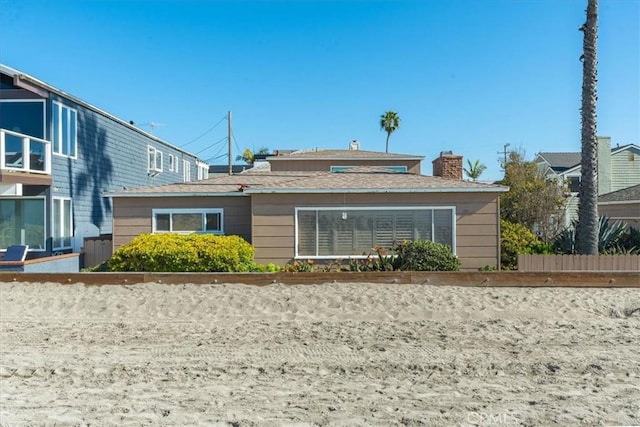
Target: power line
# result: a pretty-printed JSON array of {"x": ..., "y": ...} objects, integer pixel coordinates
[
  {"x": 211, "y": 146},
  {"x": 209, "y": 130},
  {"x": 210, "y": 159}
]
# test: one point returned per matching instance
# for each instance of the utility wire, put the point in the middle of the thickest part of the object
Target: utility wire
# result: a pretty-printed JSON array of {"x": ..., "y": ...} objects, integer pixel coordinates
[
  {"x": 209, "y": 130},
  {"x": 212, "y": 145}
]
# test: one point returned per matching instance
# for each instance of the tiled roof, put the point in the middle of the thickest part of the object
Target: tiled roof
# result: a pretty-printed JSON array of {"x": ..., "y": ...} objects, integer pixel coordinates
[
  {"x": 343, "y": 155},
  {"x": 365, "y": 179},
  {"x": 625, "y": 195}
]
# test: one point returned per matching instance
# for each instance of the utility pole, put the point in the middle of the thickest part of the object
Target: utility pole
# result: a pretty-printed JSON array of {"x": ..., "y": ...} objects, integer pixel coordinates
[
  {"x": 504, "y": 155},
  {"x": 229, "y": 137}
]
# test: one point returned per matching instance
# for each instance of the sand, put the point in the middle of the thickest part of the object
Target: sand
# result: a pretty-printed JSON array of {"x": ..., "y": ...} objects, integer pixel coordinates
[{"x": 334, "y": 354}]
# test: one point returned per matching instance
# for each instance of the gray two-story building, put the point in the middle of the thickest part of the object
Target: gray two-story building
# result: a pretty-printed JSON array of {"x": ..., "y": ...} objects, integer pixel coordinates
[{"x": 59, "y": 155}]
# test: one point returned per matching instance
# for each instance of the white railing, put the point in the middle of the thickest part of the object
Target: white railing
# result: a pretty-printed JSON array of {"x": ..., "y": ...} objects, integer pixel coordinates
[{"x": 24, "y": 153}]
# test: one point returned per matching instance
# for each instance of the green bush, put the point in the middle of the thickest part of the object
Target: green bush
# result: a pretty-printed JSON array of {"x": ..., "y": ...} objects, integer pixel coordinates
[
  {"x": 184, "y": 253},
  {"x": 518, "y": 239},
  {"x": 424, "y": 255},
  {"x": 614, "y": 237}
]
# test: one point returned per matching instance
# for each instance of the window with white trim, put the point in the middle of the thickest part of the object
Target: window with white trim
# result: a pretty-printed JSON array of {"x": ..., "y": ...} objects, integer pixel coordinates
[
  {"x": 203, "y": 170},
  {"x": 186, "y": 171},
  {"x": 23, "y": 116},
  {"x": 155, "y": 160},
  {"x": 173, "y": 166},
  {"x": 188, "y": 221},
  {"x": 353, "y": 232},
  {"x": 61, "y": 223},
  {"x": 573, "y": 182},
  {"x": 22, "y": 222},
  {"x": 64, "y": 131}
]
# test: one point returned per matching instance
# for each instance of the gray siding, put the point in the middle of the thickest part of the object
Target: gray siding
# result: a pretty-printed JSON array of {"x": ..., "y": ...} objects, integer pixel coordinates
[
  {"x": 111, "y": 156},
  {"x": 626, "y": 169}
]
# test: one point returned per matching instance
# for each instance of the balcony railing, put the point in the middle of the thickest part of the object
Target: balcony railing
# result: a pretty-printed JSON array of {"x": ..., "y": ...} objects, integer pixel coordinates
[{"x": 24, "y": 153}]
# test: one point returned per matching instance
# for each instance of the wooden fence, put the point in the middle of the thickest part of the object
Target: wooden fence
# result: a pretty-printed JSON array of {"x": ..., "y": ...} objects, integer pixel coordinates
[
  {"x": 532, "y": 263},
  {"x": 97, "y": 250}
]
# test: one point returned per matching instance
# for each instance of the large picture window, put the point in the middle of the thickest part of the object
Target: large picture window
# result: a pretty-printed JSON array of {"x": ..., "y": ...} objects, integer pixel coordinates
[
  {"x": 22, "y": 223},
  {"x": 62, "y": 223},
  {"x": 188, "y": 221},
  {"x": 22, "y": 116},
  {"x": 351, "y": 232},
  {"x": 64, "y": 130}
]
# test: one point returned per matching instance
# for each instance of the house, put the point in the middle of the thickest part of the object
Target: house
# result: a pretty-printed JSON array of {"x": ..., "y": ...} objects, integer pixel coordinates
[
  {"x": 59, "y": 154},
  {"x": 325, "y": 206},
  {"x": 622, "y": 205},
  {"x": 618, "y": 168}
]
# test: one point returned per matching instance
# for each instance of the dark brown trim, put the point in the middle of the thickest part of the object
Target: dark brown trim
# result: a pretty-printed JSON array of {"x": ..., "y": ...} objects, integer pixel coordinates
[{"x": 611, "y": 279}]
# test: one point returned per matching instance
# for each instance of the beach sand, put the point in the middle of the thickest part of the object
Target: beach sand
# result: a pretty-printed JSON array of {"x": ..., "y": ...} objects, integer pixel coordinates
[{"x": 333, "y": 354}]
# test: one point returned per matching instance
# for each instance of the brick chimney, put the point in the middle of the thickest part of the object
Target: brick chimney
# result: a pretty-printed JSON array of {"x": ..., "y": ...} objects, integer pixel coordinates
[{"x": 448, "y": 165}]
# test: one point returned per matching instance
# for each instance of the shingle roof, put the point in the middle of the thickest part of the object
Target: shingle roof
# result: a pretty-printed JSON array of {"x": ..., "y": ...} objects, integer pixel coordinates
[
  {"x": 625, "y": 195},
  {"x": 343, "y": 155},
  {"x": 367, "y": 179},
  {"x": 561, "y": 161}
]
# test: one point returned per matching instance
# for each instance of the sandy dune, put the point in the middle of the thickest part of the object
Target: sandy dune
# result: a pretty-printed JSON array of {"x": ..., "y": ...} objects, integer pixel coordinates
[{"x": 335, "y": 354}]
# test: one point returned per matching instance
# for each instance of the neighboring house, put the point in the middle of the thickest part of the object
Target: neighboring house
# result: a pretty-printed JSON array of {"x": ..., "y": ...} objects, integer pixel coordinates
[
  {"x": 622, "y": 205},
  {"x": 318, "y": 214},
  {"x": 618, "y": 168},
  {"x": 59, "y": 154}
]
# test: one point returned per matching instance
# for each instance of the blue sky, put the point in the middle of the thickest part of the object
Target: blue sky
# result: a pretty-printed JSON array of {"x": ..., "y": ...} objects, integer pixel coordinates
[{"x": 464, "y": 75}]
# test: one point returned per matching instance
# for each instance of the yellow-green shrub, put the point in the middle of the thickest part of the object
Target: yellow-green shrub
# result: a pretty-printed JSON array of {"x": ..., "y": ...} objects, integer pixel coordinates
[
  {"x": 517, "y": 239},
  {"x": 183, "y": 253}
]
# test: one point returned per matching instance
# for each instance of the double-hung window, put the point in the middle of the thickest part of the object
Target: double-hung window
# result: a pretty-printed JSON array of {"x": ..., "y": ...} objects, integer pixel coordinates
[
  {"x": 155, "y": 160},
  {"x": 64, "y": 130},
  {"x": 173, "y": 165},
  {"x": 186, "y": 171},
  {"x": 188, "y": 221},
  {"x": 353, "y": 232},
  {"x": 62, "y": 223}
]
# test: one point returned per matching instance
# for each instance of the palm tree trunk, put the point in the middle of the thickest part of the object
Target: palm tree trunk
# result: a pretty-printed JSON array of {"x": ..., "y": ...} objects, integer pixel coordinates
[
  {"x": 587, "y": 227},
  {"x": 387, "y": 145}
]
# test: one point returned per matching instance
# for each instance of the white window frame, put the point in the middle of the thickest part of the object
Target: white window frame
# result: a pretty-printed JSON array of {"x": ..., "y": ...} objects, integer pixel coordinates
[
  {"x": 203, "y": 212},
  {"x": 186, "y": 171},
  {"x": 570, "y": 176},
  {"x": 172, "y": 163},
  {"x": 203, "y": 170},
  {"x": 62, "y": 222},
  {"x": 43, "y": 246},
  {"x": 56, "y": 132},
  {"x": 367, "y": 208},
  {"x": 44, "y": 114},
  {"x": 156, "y": 154}
]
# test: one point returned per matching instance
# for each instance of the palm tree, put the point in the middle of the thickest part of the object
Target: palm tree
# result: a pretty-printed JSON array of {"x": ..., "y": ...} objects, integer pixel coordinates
[
  {"x": 587, "y": 227},
  {"x": 248, "y": 156},
  {"x": 475, "y": 169},
  {"x": 389, "y": 122}
]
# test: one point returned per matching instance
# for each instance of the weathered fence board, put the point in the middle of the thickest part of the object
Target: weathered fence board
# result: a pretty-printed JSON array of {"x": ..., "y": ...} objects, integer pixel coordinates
[{"x": 532, "y": 263}]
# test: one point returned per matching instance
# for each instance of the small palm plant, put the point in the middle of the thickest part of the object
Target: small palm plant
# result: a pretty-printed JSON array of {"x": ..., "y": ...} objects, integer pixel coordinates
[{"x": 475, "y": 170}]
